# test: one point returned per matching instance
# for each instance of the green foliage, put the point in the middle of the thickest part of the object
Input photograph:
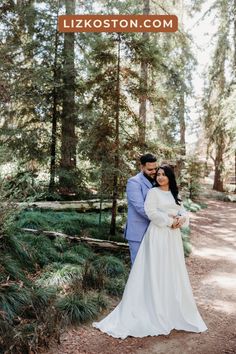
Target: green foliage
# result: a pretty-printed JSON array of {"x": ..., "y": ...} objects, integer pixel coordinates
[
  {"x": 79, "y": 308},
  {"x": 22, "y": 187},
  {"x": 59, "y": 274},
  {"x": 106, "y": 272},
  {"x": 111, "y": 266},
  {"x": 93, "y": 278},
  {"x": 185, "y": 233},
  {"x": 29, "y": 89},
  {"x": 66, "y": 222},
  {"x": 69, "y": 222},
  {"x": 42, "y": 248},
  {"x": 71, "y": 257},
  {"x": 12, "y": 267},
  {"x": 13, "y": 299},
  {"x": 115, "y": 286},
  {"x": 191, "y": 206},
  {"x": 82, "y": 251},
  {"x": 45, "y": 284},
  {"x": 102, "y": 300},
  {"x": 219, "y": 94},
  {"x": 190, "y": 177},
  {"x": 35, "y": 332},
  {"x": 42, "y": 296}
]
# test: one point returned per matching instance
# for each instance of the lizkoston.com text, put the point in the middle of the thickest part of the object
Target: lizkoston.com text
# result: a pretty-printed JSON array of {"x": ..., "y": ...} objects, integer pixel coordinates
[{"x": 118, "y": 23}]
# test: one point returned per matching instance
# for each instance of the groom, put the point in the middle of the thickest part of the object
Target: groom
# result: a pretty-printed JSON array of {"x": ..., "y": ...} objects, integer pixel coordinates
[{"x": 137, "y": 188}]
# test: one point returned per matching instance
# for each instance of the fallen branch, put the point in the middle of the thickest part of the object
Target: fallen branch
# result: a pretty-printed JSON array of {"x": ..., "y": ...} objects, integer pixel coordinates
[
  {"x": 97, "y": 243},
  {"x": 81, "y": 206}
]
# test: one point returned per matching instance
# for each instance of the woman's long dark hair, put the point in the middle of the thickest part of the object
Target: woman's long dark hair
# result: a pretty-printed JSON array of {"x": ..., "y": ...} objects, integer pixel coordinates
[{"x": 172, "y": 181}]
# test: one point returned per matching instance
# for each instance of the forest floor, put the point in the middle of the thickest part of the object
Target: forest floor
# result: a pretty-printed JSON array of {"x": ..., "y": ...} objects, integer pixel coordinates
[{"x": 212, "y": 271}]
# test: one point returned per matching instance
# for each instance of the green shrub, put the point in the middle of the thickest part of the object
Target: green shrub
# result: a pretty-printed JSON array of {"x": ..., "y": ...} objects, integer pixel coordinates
[
  {"x": 110, "y": 265},
  {"x": 83, "y": 251},
  {"x": 58, "y": 274},
  {"x": 93, "y": 278},
  {"x": 13, "y": 300},
  {"x": 191, "y": 206},
  {"x": 43, "y": 281},
  {"x": 115, "y": 286},
  {"x": 12, "y": 267},
  {"x": 77, "y": 308},
  {"x": 185, "y": 232},
  {"x": 33, "y": 220},
  {"x": 71, "y": 257},
  {"x": 42, "y": 248},
  {"x": 69, "y": 222},
  {"x": 21, "y": 251},
  {"x": 190, "y": 177}
]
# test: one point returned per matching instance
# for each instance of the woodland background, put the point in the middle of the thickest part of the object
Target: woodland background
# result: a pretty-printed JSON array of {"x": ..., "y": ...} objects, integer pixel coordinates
[{"x": 76, "y": 112}]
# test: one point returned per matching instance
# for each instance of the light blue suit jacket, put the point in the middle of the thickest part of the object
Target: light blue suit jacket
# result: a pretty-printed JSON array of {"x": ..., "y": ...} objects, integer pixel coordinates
[{"x": 137, "y": 220}]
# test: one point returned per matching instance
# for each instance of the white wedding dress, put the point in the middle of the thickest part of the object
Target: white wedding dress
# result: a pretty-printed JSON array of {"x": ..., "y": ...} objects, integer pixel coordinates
[{"x": 158, "y": 295}]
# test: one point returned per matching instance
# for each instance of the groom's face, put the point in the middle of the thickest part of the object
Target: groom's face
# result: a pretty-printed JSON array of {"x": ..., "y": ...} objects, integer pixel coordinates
[{"x": 149, "y": 169}]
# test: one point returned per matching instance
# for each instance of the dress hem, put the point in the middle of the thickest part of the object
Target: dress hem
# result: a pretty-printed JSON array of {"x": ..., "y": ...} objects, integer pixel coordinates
[{"x": 147, "y": 335}]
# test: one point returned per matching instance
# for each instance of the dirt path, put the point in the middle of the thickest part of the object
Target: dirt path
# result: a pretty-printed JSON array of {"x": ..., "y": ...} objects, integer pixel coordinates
[{"x": 212, "y": 271}]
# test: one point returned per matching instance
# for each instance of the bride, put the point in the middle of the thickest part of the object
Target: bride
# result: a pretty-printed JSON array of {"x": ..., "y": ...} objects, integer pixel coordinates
[{"x": 158, "y": 295}]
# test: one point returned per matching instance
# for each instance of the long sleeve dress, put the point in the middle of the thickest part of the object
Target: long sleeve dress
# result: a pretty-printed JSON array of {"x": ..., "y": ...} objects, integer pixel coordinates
[{"x": 158, "y": 296}]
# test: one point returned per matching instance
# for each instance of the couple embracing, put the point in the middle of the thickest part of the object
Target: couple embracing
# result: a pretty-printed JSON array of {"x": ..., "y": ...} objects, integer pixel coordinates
[{"x": 158, "y": 295}]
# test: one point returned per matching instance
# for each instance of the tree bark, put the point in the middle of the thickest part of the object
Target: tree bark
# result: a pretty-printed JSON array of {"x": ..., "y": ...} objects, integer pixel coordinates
[
  {"x": 219, "y": 163},
  {"x": 117, "y": 147},
  {"x": 143, "y": 86},
  {"x": 182, "y": 126},
  {"x": 234, "y": 38},
  {"x": 182, "y": 123},
  {"x": 235, "y": 81},
  {"x": 68, "y": 119},
  {"x": 54, "y": 118}
]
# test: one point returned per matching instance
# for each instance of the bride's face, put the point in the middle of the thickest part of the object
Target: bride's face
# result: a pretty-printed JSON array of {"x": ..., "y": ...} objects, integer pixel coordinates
[{"x": 162, "y": 179}]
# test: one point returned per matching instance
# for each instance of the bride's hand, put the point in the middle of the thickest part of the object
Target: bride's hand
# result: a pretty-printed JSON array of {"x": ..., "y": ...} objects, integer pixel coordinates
[
  {"x": 175, "y": 224},
  {"x": 178, "y": 222}
]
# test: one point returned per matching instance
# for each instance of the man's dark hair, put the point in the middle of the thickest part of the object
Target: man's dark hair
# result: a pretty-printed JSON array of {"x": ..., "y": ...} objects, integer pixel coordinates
[{"x": 147, "y": 158}]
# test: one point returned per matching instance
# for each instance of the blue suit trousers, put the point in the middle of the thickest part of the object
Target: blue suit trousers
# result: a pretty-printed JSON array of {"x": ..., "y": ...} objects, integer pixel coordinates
[{"x": 133, "y": 248}]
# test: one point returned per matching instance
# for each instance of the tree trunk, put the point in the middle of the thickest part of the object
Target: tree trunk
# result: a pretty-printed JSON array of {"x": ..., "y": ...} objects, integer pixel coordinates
[
  {"x": 54, "y": 119},
  {"x": 235, "y": 80},
  {"x": 68, "y": 119},
  {"x": 93, "y": 242},
  {"x": 143, "y": 87},
  {"x": 219, "y": 163},
  {"x": 117, "y": 148},
  {"x": 182, "y": 126},
  {"x": 182, "y": 123},
  {"x": 235, "y": 38}
]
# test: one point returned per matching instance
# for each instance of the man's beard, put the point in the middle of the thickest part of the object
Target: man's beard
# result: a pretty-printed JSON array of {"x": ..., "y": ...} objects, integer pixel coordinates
[{"x": 149, "y": 176}]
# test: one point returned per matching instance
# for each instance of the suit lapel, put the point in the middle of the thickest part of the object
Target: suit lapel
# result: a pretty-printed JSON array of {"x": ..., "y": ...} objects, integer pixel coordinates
[{"x": 145, "y": 180}]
